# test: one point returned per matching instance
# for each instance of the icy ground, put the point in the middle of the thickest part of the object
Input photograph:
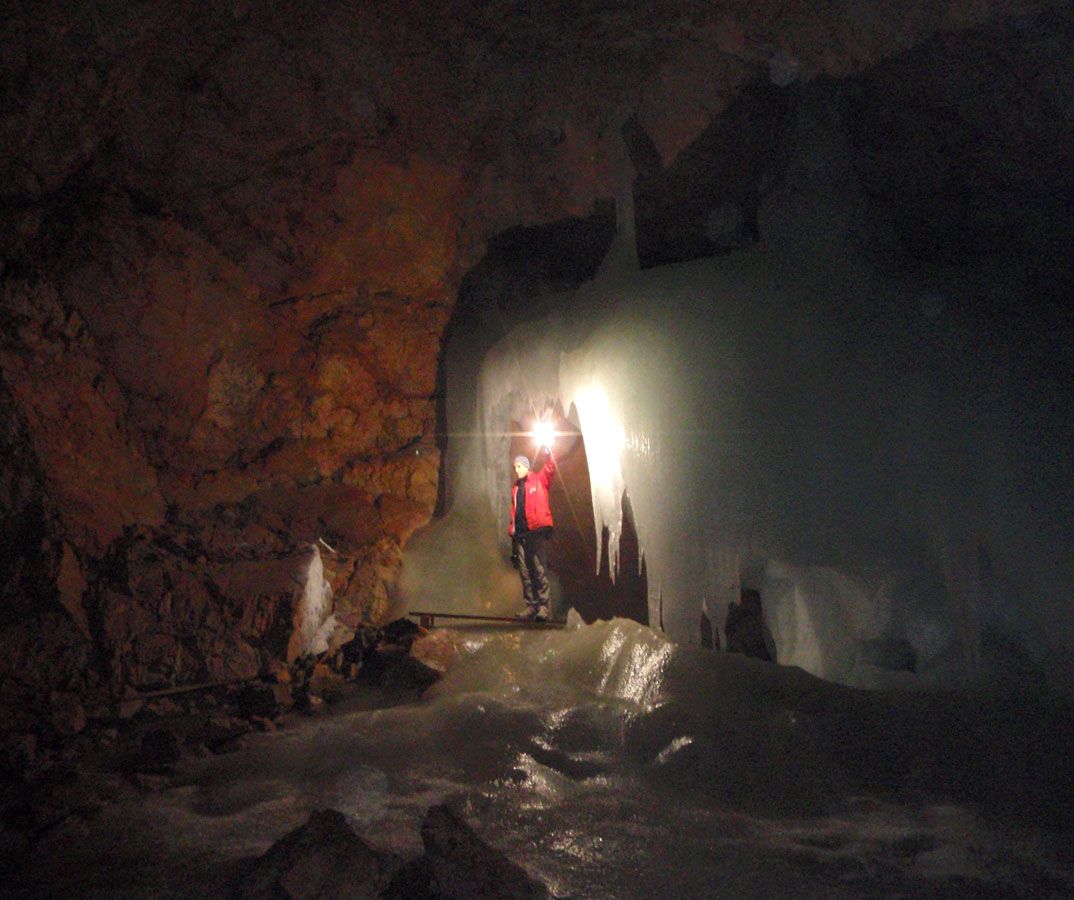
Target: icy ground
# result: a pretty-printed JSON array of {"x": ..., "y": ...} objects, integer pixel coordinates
[{"x": 614, "y": 764}]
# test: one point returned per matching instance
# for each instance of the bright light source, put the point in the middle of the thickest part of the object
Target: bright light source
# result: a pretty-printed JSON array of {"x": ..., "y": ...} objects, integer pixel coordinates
[{"x": 544, "y": 433}]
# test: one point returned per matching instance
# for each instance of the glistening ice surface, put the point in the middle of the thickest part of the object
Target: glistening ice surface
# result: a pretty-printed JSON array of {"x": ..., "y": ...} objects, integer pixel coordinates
[{"x": 611, "y": 763}]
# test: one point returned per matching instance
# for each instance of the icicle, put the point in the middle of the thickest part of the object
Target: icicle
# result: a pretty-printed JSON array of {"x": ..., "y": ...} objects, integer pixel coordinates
[{"x": 312, "y": 608}]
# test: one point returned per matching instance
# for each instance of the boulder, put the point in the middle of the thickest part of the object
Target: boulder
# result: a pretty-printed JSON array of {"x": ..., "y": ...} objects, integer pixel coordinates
[
  {"x": 325, "y": 859},
  {"x": 322, "y": 860},
  {"x": 463, "y": 867}
]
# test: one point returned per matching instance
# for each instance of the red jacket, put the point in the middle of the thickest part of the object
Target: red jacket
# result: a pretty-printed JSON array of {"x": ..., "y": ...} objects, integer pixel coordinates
[{"x": 538, "y": 512}]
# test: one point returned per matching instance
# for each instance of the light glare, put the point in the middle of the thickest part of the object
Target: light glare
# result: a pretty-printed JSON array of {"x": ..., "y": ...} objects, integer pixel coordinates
[{"x": 544, "y": 433}]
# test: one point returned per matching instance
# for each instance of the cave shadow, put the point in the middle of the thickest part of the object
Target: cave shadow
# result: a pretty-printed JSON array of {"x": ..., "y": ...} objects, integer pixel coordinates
[
  {"x": 624, "y": 592},
  {"x": 746, "y": 630}
]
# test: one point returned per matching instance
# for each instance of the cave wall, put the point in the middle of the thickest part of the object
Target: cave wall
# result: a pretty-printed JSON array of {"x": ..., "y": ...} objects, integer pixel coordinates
[{"x": 232, "y": 238}]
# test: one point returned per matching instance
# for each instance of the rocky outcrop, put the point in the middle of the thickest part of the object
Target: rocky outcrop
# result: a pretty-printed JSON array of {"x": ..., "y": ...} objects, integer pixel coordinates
[
  {"x": 461, "y": 865},
  {"x": 325, "y": 859},
  {"x": 70, "y": 752},
  {"x": 76, "y": 421}
]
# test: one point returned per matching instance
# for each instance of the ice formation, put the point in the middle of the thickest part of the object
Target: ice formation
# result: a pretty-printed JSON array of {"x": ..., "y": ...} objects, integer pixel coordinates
[
  {"x": 886, "y": 464},
  {"x": 313, "y": 619},
  {"x": 857, "y": 443}
]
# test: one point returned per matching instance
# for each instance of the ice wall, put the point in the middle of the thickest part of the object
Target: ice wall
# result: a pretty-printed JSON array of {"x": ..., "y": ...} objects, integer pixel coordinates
[
  {"x": 854, "y": 441},
  {"x": 785, "y": 424}
]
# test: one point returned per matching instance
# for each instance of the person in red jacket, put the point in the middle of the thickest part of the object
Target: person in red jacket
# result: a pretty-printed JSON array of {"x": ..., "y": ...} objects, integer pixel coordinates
[{"x": 530, "y": 529}]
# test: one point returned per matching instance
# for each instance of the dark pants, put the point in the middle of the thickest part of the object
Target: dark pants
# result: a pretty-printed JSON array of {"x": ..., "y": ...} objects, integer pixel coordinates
[{"x": 530, "y": 555}]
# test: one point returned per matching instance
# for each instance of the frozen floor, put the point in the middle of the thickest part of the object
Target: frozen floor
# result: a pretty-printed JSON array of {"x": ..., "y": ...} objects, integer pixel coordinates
[{"x": 612, "y": 764}]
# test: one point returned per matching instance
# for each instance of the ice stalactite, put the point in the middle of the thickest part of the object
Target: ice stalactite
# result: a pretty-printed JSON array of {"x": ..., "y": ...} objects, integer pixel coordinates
[{"x": 312, "y": 609}]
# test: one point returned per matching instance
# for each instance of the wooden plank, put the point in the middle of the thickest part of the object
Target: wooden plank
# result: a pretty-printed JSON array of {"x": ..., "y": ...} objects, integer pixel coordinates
[{"x": 428, "y": 619}]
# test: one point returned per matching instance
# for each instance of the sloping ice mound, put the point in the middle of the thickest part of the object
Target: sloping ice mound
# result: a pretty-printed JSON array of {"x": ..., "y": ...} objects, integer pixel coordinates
[{"x": 617, "y": 697}]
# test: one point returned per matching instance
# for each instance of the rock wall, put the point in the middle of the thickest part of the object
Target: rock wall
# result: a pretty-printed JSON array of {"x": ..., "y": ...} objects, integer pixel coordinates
[{"x": 232, "y": 237}]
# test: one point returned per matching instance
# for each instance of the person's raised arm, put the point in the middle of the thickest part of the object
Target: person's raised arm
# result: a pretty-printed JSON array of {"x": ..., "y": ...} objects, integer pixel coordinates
[{"x": 548, "y": 470}]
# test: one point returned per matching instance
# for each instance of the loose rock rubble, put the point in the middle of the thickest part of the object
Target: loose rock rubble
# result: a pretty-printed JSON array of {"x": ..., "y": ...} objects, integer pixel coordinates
[{"x": 92, "y": 760}]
